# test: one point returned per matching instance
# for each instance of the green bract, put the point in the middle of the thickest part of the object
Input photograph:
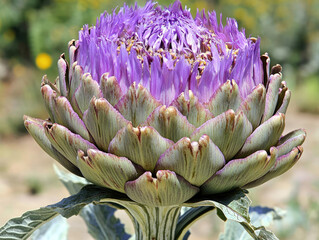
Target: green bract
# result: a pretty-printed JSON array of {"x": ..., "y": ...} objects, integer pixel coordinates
[{"x": 159, "y": 155}]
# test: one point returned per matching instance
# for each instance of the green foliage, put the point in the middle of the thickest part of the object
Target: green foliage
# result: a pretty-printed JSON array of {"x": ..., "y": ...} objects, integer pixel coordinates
[
  {"x": 300, "y": 218},
  {"x": 288, "y": 28},
  {"x": 307, "y": 94},
  {"x": 14, "y": 26},
  {"x": 231, "y": 206},
  {"x": 22, "y": 227},
  {"x": 260, "y": 216},
  {"x": 55, "y": 25},
  {"x": 28, "y": 28},
  {"x": 19, "y": 97},
  {"x": 56, "y": 229},
  {"x": 100, "y": 219}
]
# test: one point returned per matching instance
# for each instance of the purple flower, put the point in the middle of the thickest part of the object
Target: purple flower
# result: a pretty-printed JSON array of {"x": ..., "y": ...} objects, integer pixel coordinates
[
  {"x": 170, "y": 52},
  {"x": 162, "y": 106}
]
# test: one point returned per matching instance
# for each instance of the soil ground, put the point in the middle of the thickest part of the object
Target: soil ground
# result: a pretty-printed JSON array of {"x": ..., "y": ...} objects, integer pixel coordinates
[{"x": 24, "y": 167}]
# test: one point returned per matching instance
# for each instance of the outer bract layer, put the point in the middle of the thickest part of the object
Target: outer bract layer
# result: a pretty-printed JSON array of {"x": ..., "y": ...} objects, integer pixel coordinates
[{"x": 161, "y": 106}]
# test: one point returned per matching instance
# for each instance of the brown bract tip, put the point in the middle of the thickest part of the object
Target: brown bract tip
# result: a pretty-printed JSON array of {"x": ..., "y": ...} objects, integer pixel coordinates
[
  {"x": 276, "y": 69},
  {"x": 203, "y": 140}
]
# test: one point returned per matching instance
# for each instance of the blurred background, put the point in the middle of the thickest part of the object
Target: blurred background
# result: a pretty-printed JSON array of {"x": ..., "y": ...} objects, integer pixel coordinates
[{"x": 34, "y": 33}]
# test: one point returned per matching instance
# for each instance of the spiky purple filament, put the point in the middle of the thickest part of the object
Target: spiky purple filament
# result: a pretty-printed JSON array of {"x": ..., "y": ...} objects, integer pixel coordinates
[{"x": 169, "y": 51}]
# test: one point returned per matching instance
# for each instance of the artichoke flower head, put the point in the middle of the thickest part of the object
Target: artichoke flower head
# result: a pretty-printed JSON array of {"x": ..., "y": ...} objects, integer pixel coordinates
[{"x": 162, "y": 106}]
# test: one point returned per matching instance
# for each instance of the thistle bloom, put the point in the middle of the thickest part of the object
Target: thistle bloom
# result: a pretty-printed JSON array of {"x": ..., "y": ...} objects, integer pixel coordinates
[{"x": 162, "y": 106}]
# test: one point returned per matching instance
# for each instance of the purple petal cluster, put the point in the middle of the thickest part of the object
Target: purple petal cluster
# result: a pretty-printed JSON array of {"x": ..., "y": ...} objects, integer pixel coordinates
[{"x": 170, "y": 52}]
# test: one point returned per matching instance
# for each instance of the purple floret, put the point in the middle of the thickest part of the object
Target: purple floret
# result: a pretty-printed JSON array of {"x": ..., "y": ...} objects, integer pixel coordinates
[{"x": 170, "y": 52}]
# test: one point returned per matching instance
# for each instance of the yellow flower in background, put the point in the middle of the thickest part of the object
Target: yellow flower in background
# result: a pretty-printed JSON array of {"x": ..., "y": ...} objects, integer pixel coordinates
[{"x": 43, "y": 61}]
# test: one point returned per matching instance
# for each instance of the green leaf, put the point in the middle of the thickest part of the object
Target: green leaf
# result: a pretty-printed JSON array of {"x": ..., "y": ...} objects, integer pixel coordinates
[
  {"x": 72, "y": 182},
  {"x": 100, "y": 219},
  {"x": 230, "y": 206},
  {"x": 72, "y": 205},
  {"x": 264, "y": 216},
  {"x": 234, "y": 204},
  {"x": 261, "y": 217},
  {"x": 235, "y": 231},
  {"x": 56, "y": 229},
  {"x": 187, "y": 219},
  {"x": 22, "y": 227},
  {"x": 102, "y": 224}
]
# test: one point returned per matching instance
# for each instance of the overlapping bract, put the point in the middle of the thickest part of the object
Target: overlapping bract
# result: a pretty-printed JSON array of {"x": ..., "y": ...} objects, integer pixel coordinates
[{"x": 126, "y": 139}]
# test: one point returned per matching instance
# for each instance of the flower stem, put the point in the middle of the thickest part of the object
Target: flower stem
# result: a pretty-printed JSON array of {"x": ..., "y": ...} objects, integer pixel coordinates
[{"x": 154, "y": 223}]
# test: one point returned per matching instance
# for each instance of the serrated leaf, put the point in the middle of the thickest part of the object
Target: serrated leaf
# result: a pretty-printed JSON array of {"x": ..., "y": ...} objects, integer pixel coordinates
[
  {"x": 234, "y": 230},
  {"x": 234, "y": 204},
  {"x": 264, "y": 234},
  {"x": 102, "y": 224},
  {"x": 264, "y": 216},
  {"x": 187, "y": 219},
  {"x": 100, "y": 219},
  {"x": 56, "y": 229},
  {"x": 21, "y": 228},
  {"x": 261, "y": 217},
  {"x": 231, "y": 206}
]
